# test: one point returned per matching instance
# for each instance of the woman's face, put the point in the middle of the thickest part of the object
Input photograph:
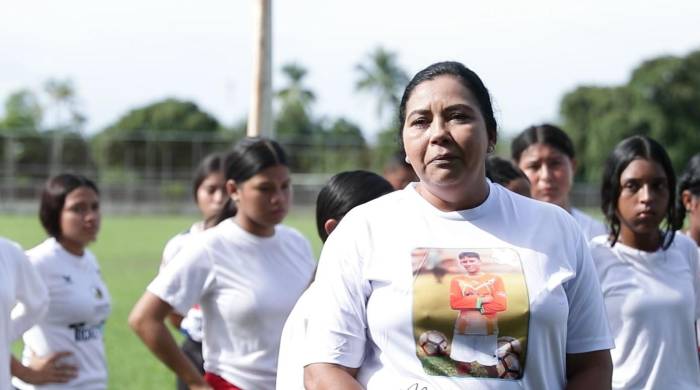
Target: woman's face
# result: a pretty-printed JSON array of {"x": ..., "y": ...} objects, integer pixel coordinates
[
  {"x": 211, "y": 196},
  {"x": 80, "y": 217},
  {"x": 692, "y": 208},
  {"x": 550, "y": 172},
  {"x": 263, "y": 200},
  {"x": 644, "y": 197},
  {"x": 445, "y": 135}
]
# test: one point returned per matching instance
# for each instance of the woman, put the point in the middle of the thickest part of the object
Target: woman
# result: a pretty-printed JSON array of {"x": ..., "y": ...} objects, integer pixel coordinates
[
  {"x": 79, "y": 300},
  {"x": 546, "y": 154},
  {"x": 210, "y": 197},
  {"x": 689, "y": 197},
  {"x": 19, "y": 284},
  {"x": 378, "y": 294},
  {"x": 649, "y": 274},
  {"x": 246, "y": 273}
]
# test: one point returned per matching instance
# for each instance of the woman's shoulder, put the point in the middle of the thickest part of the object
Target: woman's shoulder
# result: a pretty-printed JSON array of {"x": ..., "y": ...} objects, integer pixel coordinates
[
  {"x": 45, "y": 250},
  {"x": 10, "y": 252}
]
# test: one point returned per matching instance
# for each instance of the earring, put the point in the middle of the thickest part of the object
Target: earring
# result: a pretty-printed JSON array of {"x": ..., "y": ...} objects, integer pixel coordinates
[
  {"x": 490, "y": 148},
  {"x": 407, "y": 160}
]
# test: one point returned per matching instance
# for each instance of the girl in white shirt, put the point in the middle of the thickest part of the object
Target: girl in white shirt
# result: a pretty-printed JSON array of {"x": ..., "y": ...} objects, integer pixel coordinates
[
  {"x": 547, "y": 156},
  {"x": 648, "y": 274},
  {"x": 689, "y": 197},
  {"x": 21, "y": 288},
  {"x": 210, "y": 196},
  {"x": 246, "y": 273},
  {"x": 79, "y": 300}
]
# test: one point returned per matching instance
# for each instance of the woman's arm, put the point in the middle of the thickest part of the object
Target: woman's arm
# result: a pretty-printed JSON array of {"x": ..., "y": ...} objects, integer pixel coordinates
[
  {"x": 31, "y": 292},
  {"x": 589, "y": 370},
  {"x": 43, "y": 370},
  {"x": 147, "y": 319},
  {"x": 327, "y": 376}
]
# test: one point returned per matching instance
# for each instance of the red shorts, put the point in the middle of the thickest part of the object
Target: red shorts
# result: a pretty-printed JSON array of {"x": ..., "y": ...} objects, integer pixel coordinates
[{"x": 219, "y": 383}]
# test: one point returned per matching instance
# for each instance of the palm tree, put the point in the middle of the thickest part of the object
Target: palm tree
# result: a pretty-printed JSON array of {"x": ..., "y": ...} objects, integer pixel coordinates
[
  {"x": 295, "y": 94},
  {"x": 383, "y": 76}
]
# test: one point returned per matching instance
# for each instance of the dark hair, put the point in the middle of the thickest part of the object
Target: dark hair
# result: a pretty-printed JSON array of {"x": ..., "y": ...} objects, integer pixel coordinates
[
  {"x": 53, "y": 198},
  {"x": 503, "y": 171},
  {"x": 628, "y": 150},
  {"x": 546, "y": 134},
  {"x": 345, "y": 191},
  {"x": 210, "y": 164},
  {"x": 469, "y": 254},
  {"x": 469, "y": 80},
  {"x": 689, "y": 180},
  {"x": 247, "y": 158}
]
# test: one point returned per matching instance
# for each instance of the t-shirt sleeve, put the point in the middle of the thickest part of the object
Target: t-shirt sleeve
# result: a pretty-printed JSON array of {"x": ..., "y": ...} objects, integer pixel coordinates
[
  {"x": 587, "y": 325},
  {"x": 338, "y": 322},
  {"x": 31, "y": 294},
  {"x": 694, "y": 256},
  {"x": 186, "y": 278}
]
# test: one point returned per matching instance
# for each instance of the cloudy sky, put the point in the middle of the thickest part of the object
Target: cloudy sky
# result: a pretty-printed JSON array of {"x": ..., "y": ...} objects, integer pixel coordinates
[{"x": 529, "y": 53}]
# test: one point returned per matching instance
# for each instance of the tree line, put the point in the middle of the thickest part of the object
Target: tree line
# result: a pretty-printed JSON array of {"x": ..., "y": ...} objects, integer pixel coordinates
[{"x": 661, "y": 99}]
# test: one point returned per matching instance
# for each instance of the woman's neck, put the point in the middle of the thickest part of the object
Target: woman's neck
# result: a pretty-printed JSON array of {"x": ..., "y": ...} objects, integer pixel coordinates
[
  {"x": 454, "y": 198},
  {"x": 694, "y": 232},
  {"x": 72, "y": 247},
  {"x": 644, "y": 242}
]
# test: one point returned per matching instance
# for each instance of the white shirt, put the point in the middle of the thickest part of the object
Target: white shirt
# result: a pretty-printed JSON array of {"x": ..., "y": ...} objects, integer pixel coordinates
[
  {"x": 589, "y": 226},
  {"x": 290, "y": 367},
  {"x": 192, "y": 321},
  {"x": 246, "y": 286},
  {"x": 652, "y": 300},
  {"x": 21, "y": 288},
  {"x": 371, "y": 309},
  {"x": 79, "y": 306}
]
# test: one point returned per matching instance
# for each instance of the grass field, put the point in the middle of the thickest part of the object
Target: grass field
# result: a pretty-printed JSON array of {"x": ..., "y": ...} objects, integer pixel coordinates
[{"x": 129, "y": 249}]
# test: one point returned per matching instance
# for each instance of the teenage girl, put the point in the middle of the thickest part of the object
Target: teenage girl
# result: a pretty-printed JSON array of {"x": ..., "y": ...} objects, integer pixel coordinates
[
  {"x": 546, "y": 154},
  {"x": 79, "y": 302},
  {"x": 210, "y": 196},
  {"x": 342, "y": 193},
  {"x": 246, "y": 273},
  {"x": 689, "y": 197},
  {"x": 648, "y": 274}
]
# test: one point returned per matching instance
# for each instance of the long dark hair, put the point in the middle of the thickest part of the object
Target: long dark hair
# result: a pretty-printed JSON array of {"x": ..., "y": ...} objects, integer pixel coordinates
[
  {"x": 546, "y": 134},
  {"x": 469, "y": 80},
  {"x": 247, "y": 158},
  {"x": 629, "y": 149},
  {"x": 53, "y": 198},
  {"x": 345, "y": 191},
  {"x": 689, "y": 180}
]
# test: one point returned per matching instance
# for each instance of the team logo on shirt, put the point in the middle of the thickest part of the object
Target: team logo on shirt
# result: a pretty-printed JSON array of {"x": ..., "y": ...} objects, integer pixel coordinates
[
  {"x": 470, "y": 311},
  {"x": 67, "y": 279},
  {"x": 85, "y": 332}
]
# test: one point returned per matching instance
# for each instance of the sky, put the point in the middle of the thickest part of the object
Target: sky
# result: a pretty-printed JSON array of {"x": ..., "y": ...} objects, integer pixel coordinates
[{"x": 125, "y": 54}]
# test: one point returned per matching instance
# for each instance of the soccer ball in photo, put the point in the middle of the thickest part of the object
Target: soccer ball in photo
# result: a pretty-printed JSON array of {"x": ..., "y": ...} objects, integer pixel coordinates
[
  {"x": 433, "y": 343},
  {"x": 508, "y": 366},
  {"x": 508, "y": 344}
]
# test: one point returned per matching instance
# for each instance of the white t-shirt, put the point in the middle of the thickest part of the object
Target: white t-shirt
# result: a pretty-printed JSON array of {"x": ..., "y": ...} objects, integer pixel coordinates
[
  {"x": 192, "y": 321},
  {"x": 246, "y": 286},
  {"x": 23, "y": 294},
  {"x": 652, "y": 300},
  {"x": 290, "y": 369},
  {"x": 385, "y": 302},
  {"x": 589, "y": 226},
  {"x": 79, "y": 304}
]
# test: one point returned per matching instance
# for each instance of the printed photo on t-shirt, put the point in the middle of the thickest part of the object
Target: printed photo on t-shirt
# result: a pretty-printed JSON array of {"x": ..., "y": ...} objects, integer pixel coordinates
[{"x": 470, "y": 312}]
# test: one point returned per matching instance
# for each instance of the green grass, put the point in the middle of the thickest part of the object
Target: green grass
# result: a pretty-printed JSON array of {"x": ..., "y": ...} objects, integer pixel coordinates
[{"x": 129, "y": 250}]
